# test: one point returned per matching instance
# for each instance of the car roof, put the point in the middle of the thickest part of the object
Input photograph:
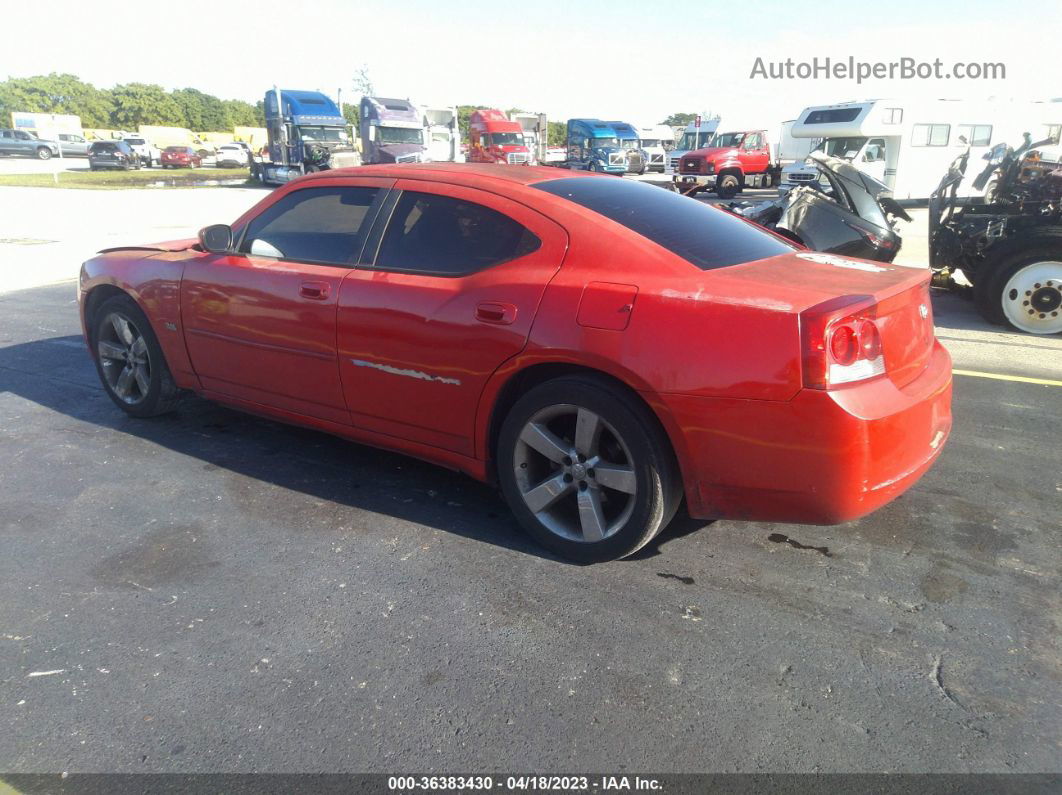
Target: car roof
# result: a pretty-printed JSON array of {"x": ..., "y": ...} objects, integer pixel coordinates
[{"x": 462, "y": 173}]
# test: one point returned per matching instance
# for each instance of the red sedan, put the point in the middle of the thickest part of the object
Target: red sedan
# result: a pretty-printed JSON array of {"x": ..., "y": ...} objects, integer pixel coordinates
[
  {"x": 600, "y": 348},
  {"x": 180, "y": 157}
]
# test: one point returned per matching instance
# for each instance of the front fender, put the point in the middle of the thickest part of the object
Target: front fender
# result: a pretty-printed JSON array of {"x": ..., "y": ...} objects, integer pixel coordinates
[{"x": 154, "y": 282}]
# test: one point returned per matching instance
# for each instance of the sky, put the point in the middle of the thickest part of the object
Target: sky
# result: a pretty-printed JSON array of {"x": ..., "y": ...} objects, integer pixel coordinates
[{"x": 635, "y": 61}]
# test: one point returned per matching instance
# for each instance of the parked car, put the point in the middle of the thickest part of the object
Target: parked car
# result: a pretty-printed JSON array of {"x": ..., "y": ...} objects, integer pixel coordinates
[
  {"x": 844, "y": 211},
  {"x": 147, "y": 153},
  {"x": 112, "y": 154},
  {"x": 602, "y": 349},
  {"x": 20, "y": 142},
  {"x": 73, "y": 145},
  {"x": 232, "y": 155},
  {"x": 180, "y": 157}
]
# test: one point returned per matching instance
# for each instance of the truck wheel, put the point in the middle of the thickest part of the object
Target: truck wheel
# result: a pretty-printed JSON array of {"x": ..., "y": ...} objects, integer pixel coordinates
[
  {"x": 593, "y": 166},
  {"x": 586, "y": 469},
  {"x": 1024, "y": 290},
  {"x": 44, "y": 153},
  {"x": 728, "y": 186}
]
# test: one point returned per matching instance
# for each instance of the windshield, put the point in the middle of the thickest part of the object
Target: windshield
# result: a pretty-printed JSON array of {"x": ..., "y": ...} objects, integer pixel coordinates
[
  {"x": 135, "y": 141},
  {"x": 727, "y": 140},
  {"x": 690, "y": 141},
  {"x": 399, "y": 135},
  {"x": 333, "y": 135},
  {"x": 506, "y": 139},
  {"x": 629, "y": 143},
  {"x": 650, "y": 143},
  {"x": 599, "y": 143},
  {"x": 846, "y": 148}
]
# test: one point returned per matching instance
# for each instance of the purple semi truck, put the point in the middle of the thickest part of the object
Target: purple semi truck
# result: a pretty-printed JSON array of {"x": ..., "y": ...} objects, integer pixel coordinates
[{"x": 392, "y": 131}]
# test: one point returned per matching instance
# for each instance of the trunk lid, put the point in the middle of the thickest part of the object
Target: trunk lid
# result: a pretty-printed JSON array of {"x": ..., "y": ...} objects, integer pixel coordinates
[{"x": 896, "y": 297}]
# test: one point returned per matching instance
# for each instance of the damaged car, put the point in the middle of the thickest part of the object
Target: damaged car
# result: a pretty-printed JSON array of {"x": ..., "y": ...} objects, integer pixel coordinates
[
  {"x": 1008, "y": 245},
  {"x": 843, "y": 212}
]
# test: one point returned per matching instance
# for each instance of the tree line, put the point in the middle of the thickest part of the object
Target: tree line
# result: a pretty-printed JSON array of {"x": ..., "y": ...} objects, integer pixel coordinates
[{"x": 125, "y": 106}]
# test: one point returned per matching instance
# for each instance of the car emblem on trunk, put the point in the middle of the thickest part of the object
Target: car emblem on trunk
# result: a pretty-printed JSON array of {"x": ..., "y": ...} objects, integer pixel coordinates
[{"x": 923, "y": 311}]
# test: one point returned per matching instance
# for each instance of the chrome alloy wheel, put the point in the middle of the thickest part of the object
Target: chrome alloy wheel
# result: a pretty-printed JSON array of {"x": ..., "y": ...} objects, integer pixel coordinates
[
  {"x": 124, "y": 358},
  {"x": 1032, "y": 298},
  {"x": 575, "y": 473}
]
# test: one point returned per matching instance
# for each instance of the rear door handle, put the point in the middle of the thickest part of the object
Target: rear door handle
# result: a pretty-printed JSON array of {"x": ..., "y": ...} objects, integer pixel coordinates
[
  {"x": 318, "y": 291},
  {"x": 493, "y": 312}
]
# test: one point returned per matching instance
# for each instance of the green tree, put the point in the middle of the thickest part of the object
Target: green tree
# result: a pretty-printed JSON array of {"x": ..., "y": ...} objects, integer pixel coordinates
[
  {"x": 243, "y": 114},
  {"x": 558, "y": 133},
  {"x": 55, "y": 93},
  {"x": 144, "y": 103},
  {"x": 680, "y": 119}
]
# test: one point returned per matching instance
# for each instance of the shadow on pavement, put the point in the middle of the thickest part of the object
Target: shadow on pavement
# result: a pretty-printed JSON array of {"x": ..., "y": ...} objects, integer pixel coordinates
[{"x": 58, "y": 374}]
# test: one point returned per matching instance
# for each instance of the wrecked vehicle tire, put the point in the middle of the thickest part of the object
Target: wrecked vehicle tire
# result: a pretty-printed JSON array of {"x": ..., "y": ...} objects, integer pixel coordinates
[{"x": 1024, "y": 289}]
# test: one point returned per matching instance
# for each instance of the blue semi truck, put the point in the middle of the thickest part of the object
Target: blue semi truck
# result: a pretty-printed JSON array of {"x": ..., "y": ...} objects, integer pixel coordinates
[
  {"x": 306, "y": 133},
  {"x": 594, "y": 146}
]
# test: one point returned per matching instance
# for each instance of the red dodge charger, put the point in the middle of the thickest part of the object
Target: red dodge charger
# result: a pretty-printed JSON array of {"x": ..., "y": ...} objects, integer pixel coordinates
[{"x": 601, "y": 349}]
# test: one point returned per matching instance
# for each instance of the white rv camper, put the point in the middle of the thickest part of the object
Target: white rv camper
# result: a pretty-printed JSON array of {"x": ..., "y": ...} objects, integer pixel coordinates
[{"x": 909, "y": 145}]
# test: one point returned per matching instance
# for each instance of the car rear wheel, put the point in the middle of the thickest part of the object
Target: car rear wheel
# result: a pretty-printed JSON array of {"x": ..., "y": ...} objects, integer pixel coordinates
[
  {"x": 587, "y": 470},
  {"x": 129, "y": 359},
  {"x": 1025, "y": 291}
]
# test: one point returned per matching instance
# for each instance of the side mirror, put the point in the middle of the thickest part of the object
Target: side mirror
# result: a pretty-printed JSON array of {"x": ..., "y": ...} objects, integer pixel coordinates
[{"x": 216, "y": 238}]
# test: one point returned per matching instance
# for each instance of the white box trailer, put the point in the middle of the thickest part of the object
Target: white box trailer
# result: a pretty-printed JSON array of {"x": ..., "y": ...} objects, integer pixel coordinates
[
  {"x": 535, "y": 131},
  {"x": 442, "y": 136},
  {"x": 909, "y": 145}
]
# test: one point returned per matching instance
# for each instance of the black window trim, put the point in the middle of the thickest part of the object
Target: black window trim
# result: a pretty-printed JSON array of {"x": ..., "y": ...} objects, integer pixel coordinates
[
  {"x": 356, "y": 261},
  {"x": 383, "y": 223}
]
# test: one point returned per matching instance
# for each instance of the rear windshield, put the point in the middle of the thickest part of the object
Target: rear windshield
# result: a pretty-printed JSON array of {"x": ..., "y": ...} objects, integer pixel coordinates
[
  {"x": 178, "y": 149},
  {"x": 104, "y": 147},
  {"x": 134, "y": 141},
  {"x": 703, "y": 235}
]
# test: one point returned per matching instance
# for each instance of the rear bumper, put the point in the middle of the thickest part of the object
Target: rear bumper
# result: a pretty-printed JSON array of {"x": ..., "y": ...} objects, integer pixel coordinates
[{"x": 820, "y": 458}]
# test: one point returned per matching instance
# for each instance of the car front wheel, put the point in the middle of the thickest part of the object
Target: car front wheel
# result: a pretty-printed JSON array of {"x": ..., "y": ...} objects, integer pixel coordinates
[
  {"x": 44, "y": 153},
  {"x": 587, "y": 470},
  {"x": 129, "y": 359}
]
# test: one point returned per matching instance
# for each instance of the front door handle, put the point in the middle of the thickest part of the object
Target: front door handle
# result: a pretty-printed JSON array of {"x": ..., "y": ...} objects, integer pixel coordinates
[
  {"x": 318, "y": 291},
  {"x": 494, "y": 312}
]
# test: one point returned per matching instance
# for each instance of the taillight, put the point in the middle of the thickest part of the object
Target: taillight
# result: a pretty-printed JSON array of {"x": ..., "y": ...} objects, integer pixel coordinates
[
  {"x": 877, "y": 241},
  {"x": 842, "y": 343}
]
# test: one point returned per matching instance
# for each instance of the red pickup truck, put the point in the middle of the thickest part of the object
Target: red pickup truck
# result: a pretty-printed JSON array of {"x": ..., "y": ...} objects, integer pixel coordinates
[{"x": 733, "y": 160}]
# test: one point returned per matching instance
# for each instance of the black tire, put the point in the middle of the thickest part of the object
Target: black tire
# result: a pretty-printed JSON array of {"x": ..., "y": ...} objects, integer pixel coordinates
[
  {"x": 992, "y": 278},
  {"x": 162, "y": 394},
  {"x": 658, "y": 490},
  {"x": 727, "y": 186},
  {"x": 44, "y": 153}
]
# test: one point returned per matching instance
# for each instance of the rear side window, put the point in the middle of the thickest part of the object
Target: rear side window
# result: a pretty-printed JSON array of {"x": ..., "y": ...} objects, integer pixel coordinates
[
  {"x": 444, "y": 236},
  {"x": 704, "y": 236},
  {"x": 316, "y": 225}
]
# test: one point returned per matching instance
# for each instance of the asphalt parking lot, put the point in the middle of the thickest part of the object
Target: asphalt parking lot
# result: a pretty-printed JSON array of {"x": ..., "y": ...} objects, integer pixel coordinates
[{"x": 210, "y": 591}]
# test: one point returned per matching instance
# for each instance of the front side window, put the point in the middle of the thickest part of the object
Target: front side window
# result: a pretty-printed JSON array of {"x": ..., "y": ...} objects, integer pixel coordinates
[
  {"x": 444, "y": 236},
  {"x": 316, "y": 225},
  {"x": 875, "y": 151},
  {"x": 704, "y": 236},
  {"x": 930, "y": 134}
]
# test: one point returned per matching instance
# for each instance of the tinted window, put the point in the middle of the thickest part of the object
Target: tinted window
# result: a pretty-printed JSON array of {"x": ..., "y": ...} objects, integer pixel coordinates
[
  {"x": 441, "y": 235},
  {"x": 832, "y": 116},
  {"x": 104, "y": 147},
  {"x": 707, "y": 237},
  {"x": 322, "y": 225}
]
